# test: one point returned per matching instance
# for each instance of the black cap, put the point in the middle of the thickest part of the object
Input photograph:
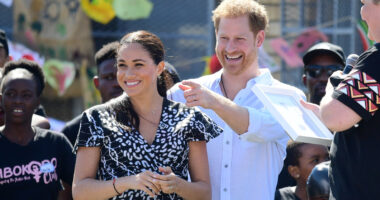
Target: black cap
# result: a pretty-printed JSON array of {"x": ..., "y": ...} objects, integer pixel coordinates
[
  {"x": 324, "y": 48},
  {"x": 3, "y": 41}
]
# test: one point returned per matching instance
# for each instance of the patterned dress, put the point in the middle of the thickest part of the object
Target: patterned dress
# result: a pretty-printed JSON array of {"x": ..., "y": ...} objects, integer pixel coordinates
[{"x": 125, "y": 152}]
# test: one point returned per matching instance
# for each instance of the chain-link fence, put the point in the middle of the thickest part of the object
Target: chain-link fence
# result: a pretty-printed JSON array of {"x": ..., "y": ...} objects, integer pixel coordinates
[
  {"x": 337, "y": 19},
  {"x": 184, "y": 27}
]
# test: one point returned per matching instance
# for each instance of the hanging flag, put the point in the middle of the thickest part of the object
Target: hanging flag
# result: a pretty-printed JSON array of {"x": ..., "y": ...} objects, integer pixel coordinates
[
  {"x": 99, "y": 10},
  {"x": 307, "y": 39},
  {"x": 59, "y": 74},
  {"x": 132, "y": 9},
  {"x": 363, "y": 33},
  {"x": 290, "y": 56}
]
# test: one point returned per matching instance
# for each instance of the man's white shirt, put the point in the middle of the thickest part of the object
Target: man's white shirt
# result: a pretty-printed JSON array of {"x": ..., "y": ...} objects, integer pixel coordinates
[{"x": 246, "y": 166}]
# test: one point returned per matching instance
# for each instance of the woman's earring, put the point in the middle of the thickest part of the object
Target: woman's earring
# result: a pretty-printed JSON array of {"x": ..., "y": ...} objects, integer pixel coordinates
[{"x": 297, "y": 175}]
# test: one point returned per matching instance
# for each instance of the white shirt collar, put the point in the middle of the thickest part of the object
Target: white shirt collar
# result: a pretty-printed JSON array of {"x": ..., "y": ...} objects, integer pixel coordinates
[{"x": 265, "y": 77}]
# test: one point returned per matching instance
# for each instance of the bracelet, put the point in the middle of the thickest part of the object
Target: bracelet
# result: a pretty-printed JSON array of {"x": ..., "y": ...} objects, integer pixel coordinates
[{"x": 114, "y": 187}]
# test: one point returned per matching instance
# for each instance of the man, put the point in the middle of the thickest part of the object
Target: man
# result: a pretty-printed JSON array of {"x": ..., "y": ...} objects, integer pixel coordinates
[
  {"x": 320, "y": 61},
  {"x": 4, "y": 50},
  {"x": 105, "y": 82},
  {"x": 351, "y": 109},
  {"x": 246, "y": 159}
]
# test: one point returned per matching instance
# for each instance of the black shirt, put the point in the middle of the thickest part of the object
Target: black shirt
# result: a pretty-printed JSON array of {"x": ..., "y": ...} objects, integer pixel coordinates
[
  {"x": 354, "y": 170},
  {"x": 71, "y": 129},
  {"x": 287, "y": 193},
  {"x": 34, "y": 171}
]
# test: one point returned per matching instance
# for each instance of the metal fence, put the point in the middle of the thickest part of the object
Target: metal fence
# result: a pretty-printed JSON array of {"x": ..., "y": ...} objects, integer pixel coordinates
[
  {"x": 184, "y": 27},
  {"x": 335, "y": 18}
]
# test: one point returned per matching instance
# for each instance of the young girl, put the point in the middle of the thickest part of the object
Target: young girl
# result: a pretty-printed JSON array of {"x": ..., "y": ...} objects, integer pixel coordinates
[
  {"x": 300, "y": 160},
  {"x": 34, "y": 163},
  {"x": 142, "y": 145}
]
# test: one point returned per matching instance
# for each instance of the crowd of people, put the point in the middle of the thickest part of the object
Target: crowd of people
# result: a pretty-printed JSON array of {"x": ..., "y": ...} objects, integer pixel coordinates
[{"x": 157, "y": 137}]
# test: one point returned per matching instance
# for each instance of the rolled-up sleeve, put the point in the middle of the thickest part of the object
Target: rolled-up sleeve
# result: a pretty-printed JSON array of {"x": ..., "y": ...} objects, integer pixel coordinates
[{"x": 262, "y": 127}]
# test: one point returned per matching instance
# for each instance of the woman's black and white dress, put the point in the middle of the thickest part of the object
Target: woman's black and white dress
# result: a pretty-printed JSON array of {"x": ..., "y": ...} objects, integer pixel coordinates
[{"x": 126, "y": 152}]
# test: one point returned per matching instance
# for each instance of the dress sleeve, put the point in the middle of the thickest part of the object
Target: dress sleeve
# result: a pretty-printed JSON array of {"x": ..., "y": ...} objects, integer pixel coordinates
[
  {"x": 203, "y": 128},
  {"x": 91, "y": 133}
]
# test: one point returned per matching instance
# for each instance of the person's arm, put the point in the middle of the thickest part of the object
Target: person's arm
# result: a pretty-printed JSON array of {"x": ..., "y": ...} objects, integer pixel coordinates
[
  {"x": 335, "y": 115},
  {"x": 199, "y": 187},
  {"x": 85, "y": 186},
  {"x": 237, "y": 117}
]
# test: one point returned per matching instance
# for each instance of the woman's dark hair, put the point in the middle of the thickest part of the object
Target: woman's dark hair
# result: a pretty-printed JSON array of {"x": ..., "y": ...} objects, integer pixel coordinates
[
  {"x": 172, "y": 72},
  {"x": 153, "y": 45},
  {"x": 293, "y": 153},
  {"x": 30, "y": 66}
]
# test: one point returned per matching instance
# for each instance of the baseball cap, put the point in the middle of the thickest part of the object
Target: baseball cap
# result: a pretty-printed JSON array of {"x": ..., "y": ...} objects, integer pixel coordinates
[
  {"x": 3, "y": 41},
  {"x": 324, "y": 48}
]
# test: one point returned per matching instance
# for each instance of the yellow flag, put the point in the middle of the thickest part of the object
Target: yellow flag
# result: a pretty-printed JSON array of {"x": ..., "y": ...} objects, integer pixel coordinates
[{"x": 99, "y": 10}]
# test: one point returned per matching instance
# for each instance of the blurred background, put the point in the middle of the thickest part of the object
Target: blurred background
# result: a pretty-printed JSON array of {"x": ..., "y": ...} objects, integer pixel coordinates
[{"x": 63, "y": 36}]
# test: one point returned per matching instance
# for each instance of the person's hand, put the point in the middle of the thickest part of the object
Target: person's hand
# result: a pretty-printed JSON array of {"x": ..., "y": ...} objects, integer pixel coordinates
[
  {"x": 168, "y": 182},
  {"x": 311, "y": 106},
  {"x": 196, "y": 94},
  {"x": 145, "y": 181},
  {"x": 334, "y": 80}
]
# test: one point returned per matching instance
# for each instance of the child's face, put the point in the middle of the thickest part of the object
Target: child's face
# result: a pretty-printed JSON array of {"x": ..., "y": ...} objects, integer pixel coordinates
[
  {"x": 312, "y": 155},
  {"x": 19, "y": 97}
]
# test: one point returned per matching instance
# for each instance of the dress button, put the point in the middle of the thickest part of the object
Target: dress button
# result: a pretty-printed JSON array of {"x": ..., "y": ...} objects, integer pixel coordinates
[
  {"x": 225, "y": 189},
  {"x": 227, "y": 142},
  {"x": 225, "y": 166}
]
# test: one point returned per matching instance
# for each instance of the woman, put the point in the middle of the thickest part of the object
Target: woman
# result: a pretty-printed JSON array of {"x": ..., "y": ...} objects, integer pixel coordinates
[
  {"x": 142, "y": 145},
  {"x": 35, "y": 163},
  {"x": 300, "y": 160}
]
